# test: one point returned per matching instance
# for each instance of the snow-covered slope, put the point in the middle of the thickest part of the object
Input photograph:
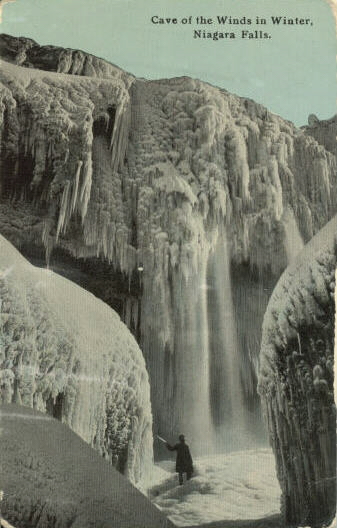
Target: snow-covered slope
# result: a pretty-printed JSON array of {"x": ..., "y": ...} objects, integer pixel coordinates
[
  {"x": 296, "y": 381},
  {"x": 65, "y": 352},
  {"x": 235, "y": 487},
  {"x": 193, "y": 198},
  {"x": 51, "y": 479}
]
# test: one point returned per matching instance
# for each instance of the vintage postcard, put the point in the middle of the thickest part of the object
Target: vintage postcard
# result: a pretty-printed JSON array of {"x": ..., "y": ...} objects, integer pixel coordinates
[{"x": 168, "y": 201}]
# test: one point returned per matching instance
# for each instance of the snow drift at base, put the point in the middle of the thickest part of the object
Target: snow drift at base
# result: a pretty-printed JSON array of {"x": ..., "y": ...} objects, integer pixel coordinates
[
  {"x": 237, "y": 486},
  {"x": 52, "y": 479}
]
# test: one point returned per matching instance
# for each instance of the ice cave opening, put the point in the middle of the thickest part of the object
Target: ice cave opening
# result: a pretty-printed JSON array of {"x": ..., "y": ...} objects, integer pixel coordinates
[
  {"x": 55, "y": 406},
  {"x": 103, "y": 125}
]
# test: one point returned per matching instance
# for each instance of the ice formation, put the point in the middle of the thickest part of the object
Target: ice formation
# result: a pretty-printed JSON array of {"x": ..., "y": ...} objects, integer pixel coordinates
[
  {"x": 296, "y": 382},
  {"x": 325, "y": 133},
  {"x": 51, "y": 479},
  {"x": 144, "y": 186},
  {"x": 66, "y": 353}
]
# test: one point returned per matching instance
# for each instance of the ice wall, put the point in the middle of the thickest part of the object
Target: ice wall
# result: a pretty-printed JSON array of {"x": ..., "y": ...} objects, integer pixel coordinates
[
  {"x": 296, "y": 382},
  {"x": 147, "y": 177},
  {"x": 66, "y": 353},
  {"x": 216, "y": 161}
]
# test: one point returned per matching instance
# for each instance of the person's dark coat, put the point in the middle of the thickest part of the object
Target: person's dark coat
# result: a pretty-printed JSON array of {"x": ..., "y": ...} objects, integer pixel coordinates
[{"x": 184, "y": 462}]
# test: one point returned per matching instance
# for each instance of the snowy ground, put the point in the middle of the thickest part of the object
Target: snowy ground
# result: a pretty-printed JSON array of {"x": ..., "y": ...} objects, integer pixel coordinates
[
  {"x": 51, "y": 477},
  {"x": 236, "y": 486}
]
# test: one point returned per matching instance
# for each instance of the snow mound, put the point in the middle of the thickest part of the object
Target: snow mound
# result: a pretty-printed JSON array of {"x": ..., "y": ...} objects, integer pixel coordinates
[
  {"x": 296, "y": 381},
  {"x": 65, "y": 352},
  {"x": 237, "y": 486},
  {"x": 51, "y": 479}
]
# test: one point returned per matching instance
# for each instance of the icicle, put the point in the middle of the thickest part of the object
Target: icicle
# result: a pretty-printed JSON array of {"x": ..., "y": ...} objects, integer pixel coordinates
[
  {"x": 75, "y": 185},
  {"x": 64, "y": 210},
  {"x": 47, "y": 241},
  {"x": 86, "y": 187},
  {"x": 119, "y": 138},
  {"x": 135, "y": 313}
]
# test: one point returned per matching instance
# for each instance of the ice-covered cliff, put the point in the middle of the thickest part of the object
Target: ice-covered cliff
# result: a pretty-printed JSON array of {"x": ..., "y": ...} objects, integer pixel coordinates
[
  {"x": 296, "y": 382},
  {"x": 324, "y": 132},
  {"x": 66, "y": 353},
  {"x": 176, "y": 202},
  {"x": 26, "y": 52},
  {"x": 51, "y": 479}
]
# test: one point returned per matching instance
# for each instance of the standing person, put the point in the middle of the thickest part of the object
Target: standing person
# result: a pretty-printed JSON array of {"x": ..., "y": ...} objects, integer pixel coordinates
[{"x": 184, "y": 463}]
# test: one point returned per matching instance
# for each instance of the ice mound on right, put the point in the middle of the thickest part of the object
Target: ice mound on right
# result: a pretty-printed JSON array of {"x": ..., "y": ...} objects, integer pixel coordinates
[{"x": 296, "y": 382}]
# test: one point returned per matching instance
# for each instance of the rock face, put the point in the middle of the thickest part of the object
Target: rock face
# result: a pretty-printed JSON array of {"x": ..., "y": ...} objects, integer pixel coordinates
[
  {"x": 26, "y": 52},
  {"x": 296, "y": 382},
  {"x": 66, "y": 353},
  {"x": 324, "y": 132},
  {"x": 52, "y": 479},
  {"x": 176, "y": 202}
]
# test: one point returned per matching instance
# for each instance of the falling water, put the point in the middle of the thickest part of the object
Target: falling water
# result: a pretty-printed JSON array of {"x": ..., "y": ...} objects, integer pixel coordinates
[
  {"x": 192, "y": 361},
  {"x": 293, "y": 240},
  {"x": 227, "y": 398},
  {"x": 210, "y": 366}
]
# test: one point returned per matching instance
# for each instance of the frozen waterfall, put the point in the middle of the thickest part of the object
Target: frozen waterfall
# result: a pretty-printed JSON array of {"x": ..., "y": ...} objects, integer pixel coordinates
[
  {"x": 293, "y": 239},
  {"x": 207, "y": 370},
  {"x": 227, "y": 398},
  {"x": 192, "y": 361}
]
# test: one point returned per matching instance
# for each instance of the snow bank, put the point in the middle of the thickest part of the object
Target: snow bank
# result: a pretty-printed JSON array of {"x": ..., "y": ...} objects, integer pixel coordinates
[
  {"x": 238, "y": 486},
  {"x": 52, "y": 479},
  {"x": 296, "y": 381},
  {"x": 65, "y": 352}
]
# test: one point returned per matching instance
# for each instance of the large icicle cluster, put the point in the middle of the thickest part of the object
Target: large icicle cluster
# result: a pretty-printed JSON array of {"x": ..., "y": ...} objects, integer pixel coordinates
[
  {"x": 47, "y": 144},
  {"x": 296, "y": 382},
  {"x": 64, "y": 352},
  {"x": 159, "y": 180}
]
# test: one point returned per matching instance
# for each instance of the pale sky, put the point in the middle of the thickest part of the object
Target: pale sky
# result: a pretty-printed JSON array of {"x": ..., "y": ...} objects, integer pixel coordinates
[{"x": 293, "y": 73}]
